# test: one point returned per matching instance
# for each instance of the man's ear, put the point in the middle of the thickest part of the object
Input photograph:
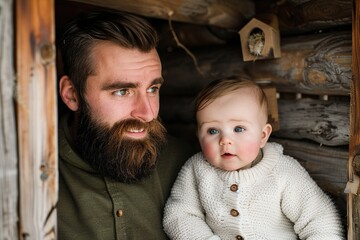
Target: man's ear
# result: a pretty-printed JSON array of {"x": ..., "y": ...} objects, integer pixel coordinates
[
  {"x": 68, "y": 93},
  {"x": 265, "y": 134}
]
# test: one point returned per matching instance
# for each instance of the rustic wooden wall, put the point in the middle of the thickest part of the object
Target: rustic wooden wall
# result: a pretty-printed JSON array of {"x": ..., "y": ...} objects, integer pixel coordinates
[
  {"x": 36, "y": 119},
  {"x": 8, "y": 146}
]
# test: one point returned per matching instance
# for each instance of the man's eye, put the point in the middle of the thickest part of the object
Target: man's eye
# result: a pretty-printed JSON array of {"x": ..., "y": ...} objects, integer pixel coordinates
[
  {"x": 213, "y": 131},
  {"x": 122, "y": 92},
  {"x": 239, "y": 129},
  {"x": 153, "y": 90}
]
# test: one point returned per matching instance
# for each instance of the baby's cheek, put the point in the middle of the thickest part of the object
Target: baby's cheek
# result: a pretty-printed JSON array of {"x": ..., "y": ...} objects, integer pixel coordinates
[
  {"x": 252, "y": 149},
  {"x": 208, "y": 150}
]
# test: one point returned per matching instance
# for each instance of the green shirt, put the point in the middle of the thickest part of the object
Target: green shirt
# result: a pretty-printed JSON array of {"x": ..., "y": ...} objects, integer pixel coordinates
[{"x": 94, "y": 207}]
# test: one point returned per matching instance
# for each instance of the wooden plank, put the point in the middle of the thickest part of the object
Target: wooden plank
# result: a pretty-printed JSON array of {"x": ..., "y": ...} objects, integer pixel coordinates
[
  {"x": 8, "y": 146},
  {"x": 228, "y": 14},
  {"x": 325, "y": 122},
  {"x": 354, "y": 146},
  {"x": 298, "y": 17},
  {"x": 312, "y": 64},
  {"x": 37, "y": 118}
]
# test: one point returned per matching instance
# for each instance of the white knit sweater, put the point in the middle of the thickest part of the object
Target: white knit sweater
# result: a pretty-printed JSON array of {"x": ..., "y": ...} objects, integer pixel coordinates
[{"x": 276, "y": 199}]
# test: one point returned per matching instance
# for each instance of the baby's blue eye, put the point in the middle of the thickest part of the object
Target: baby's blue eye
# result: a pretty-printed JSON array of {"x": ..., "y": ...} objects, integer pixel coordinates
[
  {"x": 213, "y": 131},
  {"x": 239, "y": 129}
]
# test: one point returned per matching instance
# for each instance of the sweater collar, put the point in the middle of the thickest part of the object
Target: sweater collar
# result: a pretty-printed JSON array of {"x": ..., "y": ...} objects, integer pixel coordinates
[{"x": 271, "y": 156}]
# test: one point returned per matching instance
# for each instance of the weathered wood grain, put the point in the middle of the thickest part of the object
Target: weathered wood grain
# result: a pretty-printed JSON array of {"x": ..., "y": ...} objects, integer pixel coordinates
[
  {"x": 297, "y": 17},
  {"x": 313, "y": 64},
  {"x": 228, "y": 14},
  {"x": 37, "y": 119},
  {"x": 8, "y": 145},
  {"x": 354, "y": 146},
  {"x": 325, "y": 122}
]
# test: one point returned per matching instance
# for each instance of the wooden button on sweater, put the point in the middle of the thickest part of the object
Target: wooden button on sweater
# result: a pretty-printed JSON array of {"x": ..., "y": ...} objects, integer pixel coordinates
[
  {"x": 238, "y": 237},
  {"x": 234, "y": 213},
  {"x": 234, "y": 187}
]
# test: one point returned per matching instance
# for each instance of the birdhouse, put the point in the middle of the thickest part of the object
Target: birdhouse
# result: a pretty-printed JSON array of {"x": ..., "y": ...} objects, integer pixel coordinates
[{"x": 260, "y": 38}]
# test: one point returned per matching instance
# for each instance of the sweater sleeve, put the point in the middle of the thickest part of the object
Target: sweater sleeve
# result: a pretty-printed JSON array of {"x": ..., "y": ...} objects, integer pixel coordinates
[
  {"x": 183, "y": 215},
  {"x": 307, "y": 206}
]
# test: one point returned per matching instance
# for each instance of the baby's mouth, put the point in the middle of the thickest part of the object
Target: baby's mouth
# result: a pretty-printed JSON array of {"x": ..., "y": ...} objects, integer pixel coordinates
[{"x": 227, "y": 154}]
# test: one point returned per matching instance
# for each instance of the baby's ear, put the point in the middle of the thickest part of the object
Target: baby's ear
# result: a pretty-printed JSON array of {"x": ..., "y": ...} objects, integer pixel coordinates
[
  {"x": 68, "y": 93},
  {"x": 265, "y": 134}
]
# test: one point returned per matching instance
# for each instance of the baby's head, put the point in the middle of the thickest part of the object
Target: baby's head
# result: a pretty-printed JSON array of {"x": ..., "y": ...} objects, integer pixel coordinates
[{"x": 232, "y": 122}]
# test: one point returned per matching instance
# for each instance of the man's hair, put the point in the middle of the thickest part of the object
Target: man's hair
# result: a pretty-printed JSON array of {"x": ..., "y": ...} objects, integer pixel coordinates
[
  {"x": 86, "y": 30},
  {"x": 222, "y": 87}
]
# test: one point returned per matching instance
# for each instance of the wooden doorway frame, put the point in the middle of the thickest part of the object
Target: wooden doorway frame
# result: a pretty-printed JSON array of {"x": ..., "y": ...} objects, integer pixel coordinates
[{"x": 36, "y": 118}]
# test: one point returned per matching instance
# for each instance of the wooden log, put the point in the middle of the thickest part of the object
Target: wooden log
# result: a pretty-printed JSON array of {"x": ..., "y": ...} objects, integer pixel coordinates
[
  {"x": 325, "y": 122},
  {"x": 37, "y": 119},
  {"x": 8, "y": 146},
  {"x": 297, "y": 17},
  {"x": 354, "y": 146},
  {"x": 313, "y": 64},
  {"x": 227, "y": 14}
]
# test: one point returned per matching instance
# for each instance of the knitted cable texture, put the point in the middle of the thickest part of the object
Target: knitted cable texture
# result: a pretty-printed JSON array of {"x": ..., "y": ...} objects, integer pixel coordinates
[{"x": 276, "y": 199}]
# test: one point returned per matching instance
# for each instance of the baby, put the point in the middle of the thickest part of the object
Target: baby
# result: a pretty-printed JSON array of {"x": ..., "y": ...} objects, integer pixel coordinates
[{"x": 241, "y": 186}]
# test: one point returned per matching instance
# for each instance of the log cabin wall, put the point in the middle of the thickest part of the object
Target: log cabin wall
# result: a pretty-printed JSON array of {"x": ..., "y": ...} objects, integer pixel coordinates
[{"x": 313, "y": 76}]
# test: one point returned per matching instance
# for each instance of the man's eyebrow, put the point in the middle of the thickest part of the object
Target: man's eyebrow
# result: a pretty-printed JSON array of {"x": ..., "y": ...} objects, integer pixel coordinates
[
  {"x": 119, "y": 85},
  {"x": 159, "y": 80}
]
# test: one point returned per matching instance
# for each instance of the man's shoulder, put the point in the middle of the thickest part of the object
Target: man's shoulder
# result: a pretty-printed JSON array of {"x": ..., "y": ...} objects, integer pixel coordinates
[{"x": 173, "y": 156}]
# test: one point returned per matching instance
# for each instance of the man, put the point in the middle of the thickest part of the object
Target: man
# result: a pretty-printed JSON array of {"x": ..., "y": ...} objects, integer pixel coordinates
[{"x": 114, "y": 181}]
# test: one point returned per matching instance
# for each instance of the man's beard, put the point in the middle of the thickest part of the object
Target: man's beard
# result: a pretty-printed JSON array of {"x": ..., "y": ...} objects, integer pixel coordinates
[{"x": 108, "y": 151}]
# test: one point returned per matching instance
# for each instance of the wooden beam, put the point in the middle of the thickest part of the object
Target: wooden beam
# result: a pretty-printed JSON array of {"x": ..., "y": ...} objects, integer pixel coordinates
[
  {"x": 8, "y": 145},
  {"x": 37, "y": 118},
  {"x": 296, "y": 17},
  {"x": 354, "y": 146},
  {"x": 311, "y": 64},
  {"x": 227, "y": 14}
]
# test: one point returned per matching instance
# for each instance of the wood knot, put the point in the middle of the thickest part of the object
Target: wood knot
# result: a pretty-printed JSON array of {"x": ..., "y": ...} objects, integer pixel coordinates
[{"x": 47, "y": 53}]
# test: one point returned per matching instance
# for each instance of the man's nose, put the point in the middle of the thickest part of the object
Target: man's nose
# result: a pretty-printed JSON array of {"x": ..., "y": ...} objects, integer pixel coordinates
[{"x": 144, "y": 108}]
